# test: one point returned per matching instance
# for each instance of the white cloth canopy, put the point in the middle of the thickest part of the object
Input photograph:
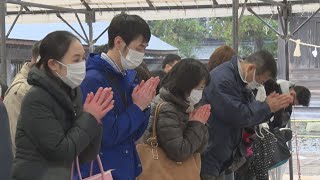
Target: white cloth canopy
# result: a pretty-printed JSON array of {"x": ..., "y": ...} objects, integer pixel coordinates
[{"x": 147, "y": 9}]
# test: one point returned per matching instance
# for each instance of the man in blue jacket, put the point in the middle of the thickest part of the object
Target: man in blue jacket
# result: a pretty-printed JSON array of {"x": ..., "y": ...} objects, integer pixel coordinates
[
  {"x": 128, "y": 38},
  {"x": 234, "y": 108}
]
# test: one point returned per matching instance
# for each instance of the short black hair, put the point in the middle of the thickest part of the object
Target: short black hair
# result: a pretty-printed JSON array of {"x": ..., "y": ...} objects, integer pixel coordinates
[
  {"x": 161, "y": 74},
  {"x": 170, "y": 59},
  {"x": 158, "y": 73},
  {"x": 185, "y": 76},
  {"x": 54, "y": 46},
  {"x": 100, "y": 49},
  {"x": 303, "y": 95},
  {"x": 264, "y": 62},
  {"x": 143, "y": 72},
  {"x": 272, "y": 86},
  {"x": 128, "y": 27}
]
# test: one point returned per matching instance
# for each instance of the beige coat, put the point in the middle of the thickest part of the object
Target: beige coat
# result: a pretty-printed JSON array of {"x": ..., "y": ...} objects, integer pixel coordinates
[{"x": 13, "y": 98}]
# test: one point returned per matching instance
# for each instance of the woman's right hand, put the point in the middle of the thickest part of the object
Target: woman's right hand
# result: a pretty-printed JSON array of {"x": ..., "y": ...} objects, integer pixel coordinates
[
  {"x": 201, "y": 114},
  {"x": 99, "y": 104}
]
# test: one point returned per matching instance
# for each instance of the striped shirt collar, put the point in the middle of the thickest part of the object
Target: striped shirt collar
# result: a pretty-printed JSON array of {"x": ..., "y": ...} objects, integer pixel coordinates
[{"x": 112, "y": 63}]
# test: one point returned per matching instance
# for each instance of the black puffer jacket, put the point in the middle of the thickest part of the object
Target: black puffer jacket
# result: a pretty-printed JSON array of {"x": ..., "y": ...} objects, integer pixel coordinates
[
  {"x": 5, "y": 144},
  {"x": 177, "y": 135},
  {"x": 52, "y": 130}
]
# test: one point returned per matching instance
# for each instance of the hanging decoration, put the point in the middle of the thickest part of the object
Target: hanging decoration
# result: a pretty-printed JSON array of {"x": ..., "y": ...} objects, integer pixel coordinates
[
  {"x": 297, "y": 51},
  {"x": 315, "y": 52}
]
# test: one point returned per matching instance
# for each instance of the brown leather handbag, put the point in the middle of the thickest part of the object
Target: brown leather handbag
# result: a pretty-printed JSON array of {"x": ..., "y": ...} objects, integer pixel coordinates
[{"x": 157, "y": 166}]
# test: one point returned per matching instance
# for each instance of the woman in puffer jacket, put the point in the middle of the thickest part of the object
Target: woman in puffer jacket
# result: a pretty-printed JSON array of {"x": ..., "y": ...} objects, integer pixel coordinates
[
  {"x": 181, "y": 128},
  {"x": 54, "y": 127}
]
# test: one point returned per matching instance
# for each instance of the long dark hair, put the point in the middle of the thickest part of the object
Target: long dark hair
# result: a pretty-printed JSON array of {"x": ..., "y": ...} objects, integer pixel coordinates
[
  {"x": 54, "y": 46},
  {"x": 185, "y": 76}
]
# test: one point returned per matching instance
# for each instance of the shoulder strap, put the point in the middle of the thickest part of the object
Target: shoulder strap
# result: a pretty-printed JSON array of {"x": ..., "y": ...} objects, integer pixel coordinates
[
  {"x": 14, "y": 84},
  {"x": 113, "y": 80},
  {"x": 153, "y": 141}
]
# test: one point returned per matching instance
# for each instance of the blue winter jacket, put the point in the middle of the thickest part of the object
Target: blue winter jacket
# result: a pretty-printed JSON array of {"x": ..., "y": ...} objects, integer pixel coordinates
[
  {"x": 233, "y": 108},
  {"x": 123, "y": 125}
]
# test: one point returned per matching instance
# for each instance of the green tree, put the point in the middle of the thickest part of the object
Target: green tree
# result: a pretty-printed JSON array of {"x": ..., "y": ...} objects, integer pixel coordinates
[
  {"x": 252, "y": 32},
  {"x": 185, "y": 34}
]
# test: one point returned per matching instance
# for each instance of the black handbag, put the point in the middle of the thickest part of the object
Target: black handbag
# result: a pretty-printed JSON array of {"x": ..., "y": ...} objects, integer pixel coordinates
[
  {"x": 281, "y": 153},
  {"x": 263, "y": 147}
]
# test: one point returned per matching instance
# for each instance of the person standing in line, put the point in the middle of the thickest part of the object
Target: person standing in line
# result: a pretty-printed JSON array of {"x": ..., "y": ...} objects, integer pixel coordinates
[
  {"x": 129, "y": 36},
  {"x": 53, "y": 126},
  {"x": 234, "y": 107},
  {"x": 17, "y": 90},
  {"x": 220, "y": 55},
  {"x": 169, "y": 61},
  {"x": 6, "y": 155}
]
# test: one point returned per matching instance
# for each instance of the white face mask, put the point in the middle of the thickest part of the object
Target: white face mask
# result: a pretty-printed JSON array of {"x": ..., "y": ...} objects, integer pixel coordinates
[
  {"x": 75, "y": 74},
  {"x": 132, "y": 60},
  {"x": 261, "y": 94},
  {"x": 254, "y": 84},
  {"x": 195, "y": 96},
  {"x": 250, "y": 85}
]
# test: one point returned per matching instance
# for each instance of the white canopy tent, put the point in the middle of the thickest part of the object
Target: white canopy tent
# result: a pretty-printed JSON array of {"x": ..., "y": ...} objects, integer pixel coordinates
[
  {"x": 90, "y": 11},
  {"x": 44, "y": 11}
]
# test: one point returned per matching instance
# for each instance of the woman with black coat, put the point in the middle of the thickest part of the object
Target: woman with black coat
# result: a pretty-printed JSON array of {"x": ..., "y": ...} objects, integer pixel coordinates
[{"x": 54, "y": 127}]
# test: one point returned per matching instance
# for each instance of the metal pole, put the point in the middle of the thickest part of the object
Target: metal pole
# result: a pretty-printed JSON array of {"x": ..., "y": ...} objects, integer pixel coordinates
[
  {"x": 305, "y": 22},
  {"x": 3, "y": 56},
  {"x": 84, "y": 32},
  {"x": 15, "y": 21},
  {"x": 286, "y": 12},
  {"x": 235, "y": 39},
  {"x": 244, "y": 7},
  {"x": 280, "y": 20},
  {"x": 104, "y": 31},
  {"x": 60, "y": 9},
  {"x": 90, "y": 18},
  {"x": 91, "y": 46},
  {"x": 74, "y": 30},
  {"x": 264, "y": 22},
  {"x": 235, "y": 29},
  {"x": 274, "y": 3},
  {"x": 281, "y": 63}
]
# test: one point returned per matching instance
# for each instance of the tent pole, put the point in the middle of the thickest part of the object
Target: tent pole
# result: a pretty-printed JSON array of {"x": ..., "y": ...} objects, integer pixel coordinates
[
  {"x": 3, "y": 41},
  {"x": 235, "y": 29},
  {"x": 307, "y": 20},
  {"x": 15, "y": 21},
  {"x": 285, "y": 16},
  {"x": 74, "y": 30},
  {"x": 90, "y": 19},
  {"x": 60, "y": 9},
  {"x": 91, "y": 46}
]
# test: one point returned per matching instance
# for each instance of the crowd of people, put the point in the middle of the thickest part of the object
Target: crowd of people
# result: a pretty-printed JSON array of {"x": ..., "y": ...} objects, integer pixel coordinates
[{"x": 64, "y": 105}]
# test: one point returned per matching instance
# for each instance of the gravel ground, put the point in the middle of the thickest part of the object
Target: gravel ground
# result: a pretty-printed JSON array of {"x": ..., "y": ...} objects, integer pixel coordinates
[{"x": 307, "y": 145}]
